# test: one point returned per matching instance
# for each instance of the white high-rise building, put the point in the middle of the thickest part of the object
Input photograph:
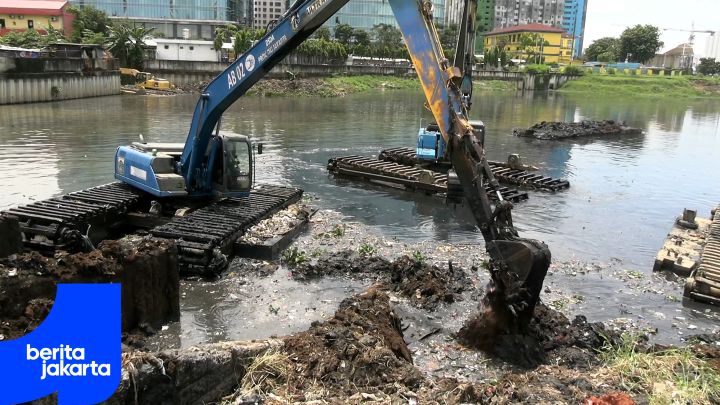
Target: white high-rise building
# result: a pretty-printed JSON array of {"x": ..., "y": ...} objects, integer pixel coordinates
[
  {"x": 453, "y": 12},
  {"x": 712, "y": 47},
  {"x": 266, "y": 11}
]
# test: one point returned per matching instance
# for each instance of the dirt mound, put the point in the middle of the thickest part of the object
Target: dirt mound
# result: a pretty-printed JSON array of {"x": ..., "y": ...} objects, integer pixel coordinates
[
  {"x": 343, "y": 263},
  {"x": 551, "y": 337},
  {"x": 361, "y": 349},
  {"x": 427, "y": 286},
  {"x": 561, "y": 130},
  {"x": 146, "y": 267}
]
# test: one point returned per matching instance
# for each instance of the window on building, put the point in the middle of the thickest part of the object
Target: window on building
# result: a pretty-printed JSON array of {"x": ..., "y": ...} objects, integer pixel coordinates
[
  {"x": 192, "y": 48},
  {"x": 31, "y": 24},
  {"x": 53, "y": 18},
  {"x": 2, "y": 23},
  {"x": 167, "y": 46}
]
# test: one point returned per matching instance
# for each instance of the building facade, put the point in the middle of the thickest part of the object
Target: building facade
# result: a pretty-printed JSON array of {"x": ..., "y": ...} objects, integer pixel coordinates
[
  {"x": 575, "y": 13},
  {"x": 267, "y": 11},
  {"x": 21, "y": 15},
  {"x": 453, "y": 12},
  {"x": 365, "y": 14},
  {"x": 174, "y": 18},
  {"x": 712, "y": 47},
  {"x": 508, "y": 13},
  {"x": 547, "y": 45},
  {"x": 185, "y": 50}
]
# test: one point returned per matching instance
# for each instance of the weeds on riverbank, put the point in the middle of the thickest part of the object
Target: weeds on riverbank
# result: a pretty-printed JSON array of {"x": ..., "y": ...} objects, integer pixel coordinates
[
  {"x": 675, "y": 375},
  {"x": 645, "y": 86}
]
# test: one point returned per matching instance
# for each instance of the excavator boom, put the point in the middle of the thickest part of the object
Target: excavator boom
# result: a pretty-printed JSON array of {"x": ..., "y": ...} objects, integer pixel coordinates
[{"x": 518, "y": 266}]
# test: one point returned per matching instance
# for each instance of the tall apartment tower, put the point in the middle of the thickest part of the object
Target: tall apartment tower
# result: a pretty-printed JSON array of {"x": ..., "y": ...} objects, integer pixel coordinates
[
  {"x": 712, "y": 47},
  {"x": 575, "y": 13},
  {"x": 509, "y": 13},
  {"x": 267, "y": 11}
]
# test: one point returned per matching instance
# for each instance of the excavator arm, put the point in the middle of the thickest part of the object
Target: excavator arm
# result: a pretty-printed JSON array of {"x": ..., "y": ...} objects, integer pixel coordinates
[{"x": 517, "y": 265}]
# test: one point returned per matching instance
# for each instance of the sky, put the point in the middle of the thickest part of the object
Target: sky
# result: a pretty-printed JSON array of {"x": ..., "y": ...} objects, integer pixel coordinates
[{"x": 608, "y": 18}]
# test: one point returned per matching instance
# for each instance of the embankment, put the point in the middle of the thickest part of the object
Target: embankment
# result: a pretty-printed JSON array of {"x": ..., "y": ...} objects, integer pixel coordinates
[
  {"x": 338, "y": 86},
  {"x": 644, "y": 86}
]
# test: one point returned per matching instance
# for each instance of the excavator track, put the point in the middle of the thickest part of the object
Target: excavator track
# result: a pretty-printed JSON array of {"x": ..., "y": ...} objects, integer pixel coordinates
[
  {"x": 704, "y": 282},
  {"x": 205, "y": 237},
  {"x": 61, "y": 222},
  {"x": 409, "y": 177},
  {"x": 501, "y": 171}
]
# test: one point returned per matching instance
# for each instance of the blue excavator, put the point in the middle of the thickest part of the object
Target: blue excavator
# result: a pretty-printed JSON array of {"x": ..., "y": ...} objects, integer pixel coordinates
[{"x": 212, "y": 163}]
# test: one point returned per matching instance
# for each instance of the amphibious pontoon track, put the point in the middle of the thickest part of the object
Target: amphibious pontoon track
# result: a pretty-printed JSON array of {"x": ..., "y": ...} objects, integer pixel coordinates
[
  {"x": 501, "y": 171},
  {"x": 205, "y": 236},
  {"x": 704, "y": 282},
  {"x": 409, "y": 177},
  {"x": 64, "y": 222}
]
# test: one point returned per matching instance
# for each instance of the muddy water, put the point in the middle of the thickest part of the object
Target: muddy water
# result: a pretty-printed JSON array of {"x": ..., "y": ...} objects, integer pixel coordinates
[{"x": 624, "y": 196}]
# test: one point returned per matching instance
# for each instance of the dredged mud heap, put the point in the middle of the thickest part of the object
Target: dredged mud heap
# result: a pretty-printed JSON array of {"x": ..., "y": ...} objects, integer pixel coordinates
[
  {"x": 146, "y": 267},
  {"x": 563, "y": 130}
]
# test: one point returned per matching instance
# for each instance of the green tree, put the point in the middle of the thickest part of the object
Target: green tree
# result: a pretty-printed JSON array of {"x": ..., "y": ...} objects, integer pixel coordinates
[
  {"x": 493, "y": 54},
  {"x": 88, "y": 18},
  {"x": 128, "y": 44},
  {"x": 387, "y": 35},
  {"x": 708, "y": 66},
  {"x": 640, "y": 43},
  {"x": 448, "y": 39},
  {"x": 361, "y": 37},
  {"x": 344, "y": 33},
  {"x": 323, "y": 33},
  {"x": 223, "y": 35},
  {"x": 32, "y": 39},
  {"x": 530, "y": 46},
  {"x": 605, "y": 49}
]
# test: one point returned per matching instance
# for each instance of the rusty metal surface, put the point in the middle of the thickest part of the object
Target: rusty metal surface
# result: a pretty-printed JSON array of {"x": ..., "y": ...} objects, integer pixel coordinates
[
  {"x": 704, "y": 283},
  {"x": 205, "y": 237},
  {"x": 59, "y": 222},
  {"x": 408, "y": 177},
  {"x": 504, "y": 174}
]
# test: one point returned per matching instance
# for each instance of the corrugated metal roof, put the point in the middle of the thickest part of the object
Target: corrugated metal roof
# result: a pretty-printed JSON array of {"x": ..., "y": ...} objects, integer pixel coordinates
[
  {"x": 526, "y": 28},
  {"x": 32, "y": 5}
]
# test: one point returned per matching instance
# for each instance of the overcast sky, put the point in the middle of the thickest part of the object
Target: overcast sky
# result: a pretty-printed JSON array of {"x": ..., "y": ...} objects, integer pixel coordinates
[{"x": 608, "y": 18}]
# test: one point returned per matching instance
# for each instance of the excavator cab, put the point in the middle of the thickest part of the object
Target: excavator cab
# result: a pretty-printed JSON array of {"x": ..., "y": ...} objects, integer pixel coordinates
[{"x": 232, "y": 170}]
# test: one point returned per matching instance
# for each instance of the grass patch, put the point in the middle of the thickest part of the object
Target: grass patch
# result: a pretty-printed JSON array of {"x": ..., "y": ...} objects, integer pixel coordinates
[
  {"x": 341, "y": 85},
  {"x": 294, "y": 256},
  {"x": 644, "y": 86},
  {"x": 667, "y": 377},
  {"x": 367, "y": 249},
  {"x": 495, "y": 85}
]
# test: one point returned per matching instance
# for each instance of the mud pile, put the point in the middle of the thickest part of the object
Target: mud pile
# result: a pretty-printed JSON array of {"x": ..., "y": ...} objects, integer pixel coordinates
[
  {"x": 551, "y": 338},
  {"x": 562, "y": 130},
  {"x": 147, "y": 269},
  {"x": 343, "y": 263},
  {"x": 426, "y": 286},
  {"x": 361, "y": 349}
]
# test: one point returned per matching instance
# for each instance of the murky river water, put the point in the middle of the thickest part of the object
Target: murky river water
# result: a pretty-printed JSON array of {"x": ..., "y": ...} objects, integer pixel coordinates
[
  {"x": 625, "y": 192},
  {"x": 624, "y": 195}
]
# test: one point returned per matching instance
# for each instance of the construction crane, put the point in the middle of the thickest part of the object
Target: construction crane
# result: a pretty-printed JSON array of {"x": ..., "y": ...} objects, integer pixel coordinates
[{"x": 690, "y": 43}]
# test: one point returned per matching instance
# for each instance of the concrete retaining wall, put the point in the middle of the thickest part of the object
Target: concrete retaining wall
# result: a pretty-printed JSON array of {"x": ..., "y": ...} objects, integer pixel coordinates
[
  {"x": 184, "y": 72},
  {"x": 30, "y": 88},
  {"x": 527, "y": 81}
]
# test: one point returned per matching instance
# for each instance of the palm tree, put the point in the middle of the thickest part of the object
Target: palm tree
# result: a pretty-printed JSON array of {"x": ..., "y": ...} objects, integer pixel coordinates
[{"x": 128, "y": 44}]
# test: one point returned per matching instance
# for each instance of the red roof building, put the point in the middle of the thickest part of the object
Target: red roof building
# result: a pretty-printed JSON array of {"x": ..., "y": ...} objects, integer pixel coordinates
[{"x": 21, "y": 15}]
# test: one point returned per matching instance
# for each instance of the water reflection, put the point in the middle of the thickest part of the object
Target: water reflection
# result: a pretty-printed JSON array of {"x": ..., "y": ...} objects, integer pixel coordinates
[{"x": 625, "y": 191}]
